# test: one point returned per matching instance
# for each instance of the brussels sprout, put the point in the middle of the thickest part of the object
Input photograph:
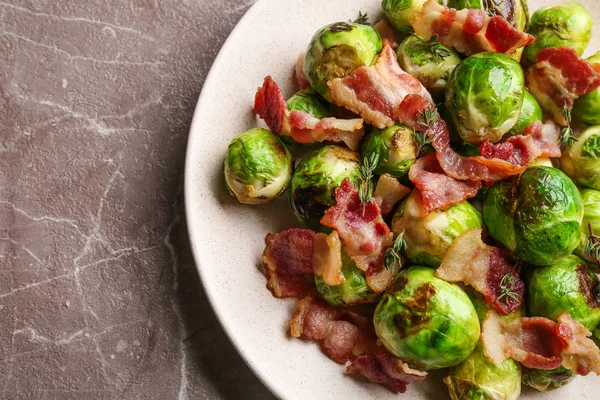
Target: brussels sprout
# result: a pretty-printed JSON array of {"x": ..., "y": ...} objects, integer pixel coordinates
[
  {"x": 429, "y": 237},
  {"x": 477, "y": 378},
  {"x": 530, "y": 112},
  {"x": 537, "y": 215},
  {"x": 354, "y": 289},
  {"x": 582, "y": 160},
  {"x": 546, "y": 380},
  {"x": 309, "y": 102},
  {"x": 427, "y": 321},
  {"x": 591, "y": 215},
  {"x": 484, "y": 96},
  {"x": 312, "y": 189},
  {"x": 541, "y": 161},
  {"x": 336, "y": 50},
  {"x": 258, "y": 167},
  {"x": 566, "y": 24},
  {"x": 587, "y": 107},
  {"x": 401, "y": 13},
  {"x": 395, "y": 147},
  {"x": 431, "y": 68},
  {"x": 565, "y": 287}
]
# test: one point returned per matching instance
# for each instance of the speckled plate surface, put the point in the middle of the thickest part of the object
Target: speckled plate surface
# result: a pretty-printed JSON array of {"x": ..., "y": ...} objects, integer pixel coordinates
[{"x": 228, "y": 238}]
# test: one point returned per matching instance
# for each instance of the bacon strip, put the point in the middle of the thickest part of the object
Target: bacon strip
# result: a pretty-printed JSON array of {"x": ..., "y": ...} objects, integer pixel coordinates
[
  {"x": 375, "y": 92},
  {"x": 469, "y": 31},
  {"x": 270, "y": 105},
  {"x": 288, "y": 262},
  {"x": 581, "y": 353},
  {"x": 439, "y": 191},
  {"x": 478, "y": 168},
  {"x": 327, "y": 258},
  {"x": 364, "y": 233},
  {"x": 346, "y": 336},
  {"x": 389, "y": 192},
  {"x": 484, "y": 267},
  {"x": 559, "y": 77}
]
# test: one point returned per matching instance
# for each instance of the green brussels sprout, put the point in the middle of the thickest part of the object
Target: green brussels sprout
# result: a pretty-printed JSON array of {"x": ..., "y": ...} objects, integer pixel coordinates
[
  {"x": 401, "y": 13},
  {"x": 395, "y": 147},
  {"x": 591, "y": 215},
  {"x": 354, "y": 289},
  {"x": 582, "y": 160},
  {"x": 536, "y": 215},
  {"x": 587, "y": 107},
  {"x": 431, "y": 69},
  {"x": 429, "y": 237},
  {"x": 336, "y": 50},
  {"x": 566, "y": 24},
  {"x": 312, "y": 189},
  {"x": 426, "y": 321},
  {"x": 564, "y": 287},
  {"x": 546, "y": 380},
  {"x": 309, "y": 102},
  {"x": 258, "y": 167},
  {"x": 530, "y": 112},
  {"x": 484, "y": 96},
  {"x": 477, "y": 378}
]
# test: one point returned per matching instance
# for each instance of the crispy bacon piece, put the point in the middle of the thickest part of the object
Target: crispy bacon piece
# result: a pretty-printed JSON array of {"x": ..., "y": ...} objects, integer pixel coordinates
[
  {"x": 469, "y": 31},
  {"x": 327, "y": 258},
  {"x": 439, "y": 191},
  {"x": 484, "y": 267},
  {"x": 346, "y": 336},
  {"x": 270, "y": 105},
  {"x": 581, "y": 353},
  {"x": 299, "y": 72},
  {"x": 288, "y": 262},
  {"x": 477, "y": 168},
  {"x": 389, "y": 192},
  {"x": 375, "y": 92},
  {"x": 364, "y": 233},
  {"x": 559, "y": 77}
]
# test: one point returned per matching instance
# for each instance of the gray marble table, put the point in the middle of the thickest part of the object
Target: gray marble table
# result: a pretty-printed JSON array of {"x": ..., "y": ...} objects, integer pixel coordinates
[{"x": 99, "y": 297}]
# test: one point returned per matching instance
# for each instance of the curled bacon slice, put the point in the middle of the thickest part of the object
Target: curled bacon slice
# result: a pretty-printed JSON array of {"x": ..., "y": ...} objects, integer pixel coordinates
[
  {"x": 288, "y": 262},
  {"x": 374, "y": 92},
  {"x": 270, "y": 105},
  {"x": 484, "y": 267},
  {"x": 364, "y": 233},
  {"x": 581, "y": 353},
  {"x": 559, "y": 77},
  {"x": 346, "y": 336},
  {"x": 389, "y": 192},
  {"x": 439, "y": 191},
  {"x": 327, "y": 258},
  {"x": 469, "y": 31}
]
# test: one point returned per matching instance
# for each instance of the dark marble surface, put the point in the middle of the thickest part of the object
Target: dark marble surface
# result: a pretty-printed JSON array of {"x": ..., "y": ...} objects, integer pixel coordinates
[{"x": 99, "y": 297}]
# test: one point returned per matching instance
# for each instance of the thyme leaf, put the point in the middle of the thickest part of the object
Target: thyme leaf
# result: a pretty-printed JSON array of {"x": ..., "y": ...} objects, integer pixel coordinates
[
  {"x": 362, "y": 19},
  {"x": 506, "y": 289},
  {"x": 425, "y": 120},
  {"x": 391, "y": 257},
  {"x": 365, "y": 189},
  {"x": 566, "y": 134},
  {"x": 437, "y": 50}
]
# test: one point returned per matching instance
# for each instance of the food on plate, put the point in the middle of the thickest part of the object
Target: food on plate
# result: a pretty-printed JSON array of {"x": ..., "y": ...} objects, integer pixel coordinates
[
  {"x": 258, "y": 167},
  {"x": 336, "y": 50},
  {"x": 449, "y": 198},
  {"x": 429, "y": 61},
  {"x": 566, "y": 24},
  {"x": 429, "y": 236},
  {"x": 427, "y": 321},
  {"x": 582, "y": 160},
  {"x": 536, "y": 215}
]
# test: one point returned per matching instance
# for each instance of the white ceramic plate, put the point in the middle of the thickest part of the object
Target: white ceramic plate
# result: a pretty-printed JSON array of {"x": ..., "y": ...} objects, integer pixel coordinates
[{"x": 227, "y": 237}]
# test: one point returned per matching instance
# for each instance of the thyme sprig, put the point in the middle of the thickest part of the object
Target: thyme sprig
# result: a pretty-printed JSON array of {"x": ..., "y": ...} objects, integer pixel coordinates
[
  {"x": 506, "y": 289},
  {"x": 425, "y": 120},
  {"x": 362, "y": 19},
  {"x": 391, "y": 257},
  {"x": 567, "y": 135},
  {"x": 591, "y": 248},
  {"x": 435, "y": 48},
  {"x": 365, "y": 189}
]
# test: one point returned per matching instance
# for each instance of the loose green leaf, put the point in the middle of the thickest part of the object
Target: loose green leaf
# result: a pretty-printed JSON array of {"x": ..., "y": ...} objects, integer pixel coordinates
[{"x": 436, "y": 49}]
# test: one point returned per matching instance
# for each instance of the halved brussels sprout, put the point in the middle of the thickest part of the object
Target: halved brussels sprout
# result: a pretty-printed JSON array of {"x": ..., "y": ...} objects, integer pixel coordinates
[
  {"x": 401, "y": 13},
  {"x": 536, "y": 215},
  {"x": 395, "y": 147},
  {"x": 258, "y": 167},
  {"x": 429, "y": 237},
  {"x": 309, "y": 102},
  {"x": 547, "y": 380},
  {"x": 477, "y": 378},
  {"x": 336, "y": 50},
  {"x": 312, "y": 189},
  {"x": 565, "y": 287},
  {"x": 582, "y": 160},
  {"x": 427, "y": 321},
  {"x": 591, "y": 215},
  {"x": 432, "y": 69},
  {"x": 587, "y": 107},
  {"x": 484, "y": 96},
  {"x": 354, "y": 289},
  {"x": 565, "y": 24},
  {"x": 530, "y": 112}
]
